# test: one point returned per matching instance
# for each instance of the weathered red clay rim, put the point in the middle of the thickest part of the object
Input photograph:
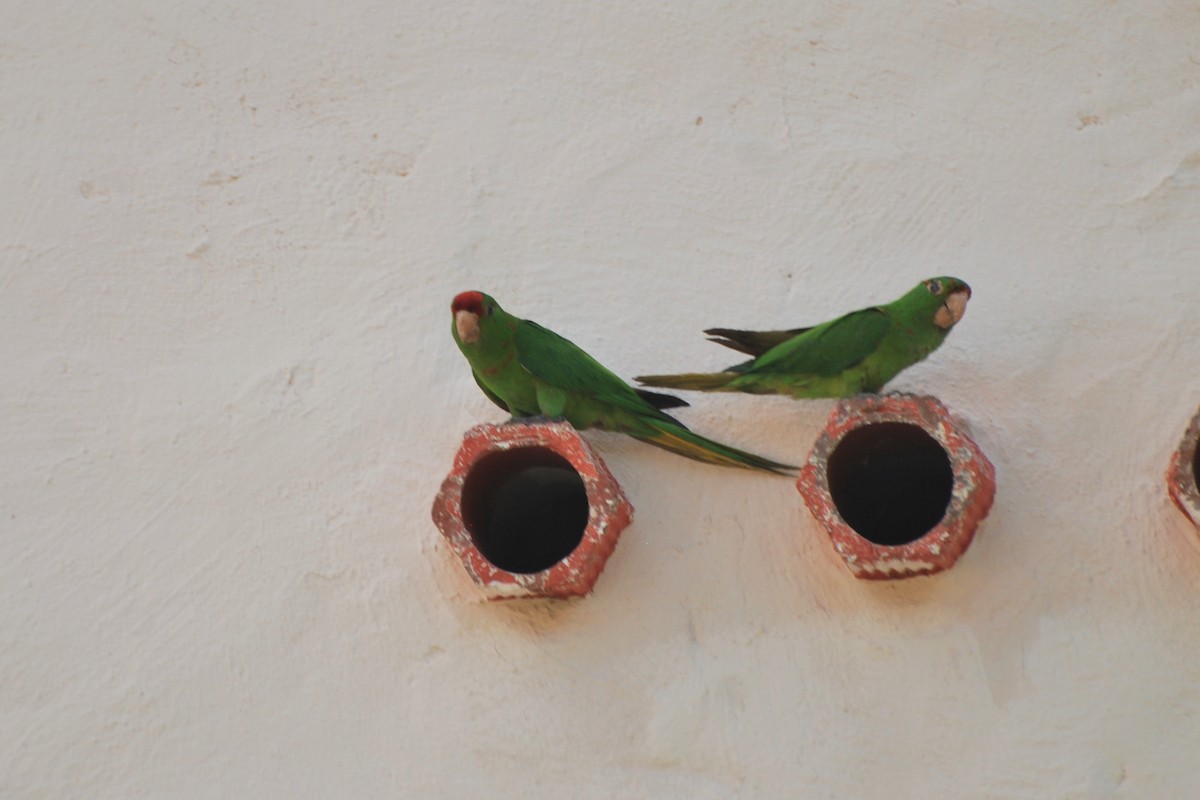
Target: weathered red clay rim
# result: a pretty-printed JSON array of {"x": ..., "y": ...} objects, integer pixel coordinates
[
  {"x": 609, "y": 512},
  {"x": 1183, "y": 472},
  {"x": 970, "y": 494}
]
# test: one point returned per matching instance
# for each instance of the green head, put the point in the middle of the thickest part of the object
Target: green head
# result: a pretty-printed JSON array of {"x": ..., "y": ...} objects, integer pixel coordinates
[{"x": 943, "y": 299}]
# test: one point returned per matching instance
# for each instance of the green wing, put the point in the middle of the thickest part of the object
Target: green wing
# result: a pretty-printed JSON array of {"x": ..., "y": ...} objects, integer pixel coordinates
[
  {"x": 828, "y": 349},
  {"x": 490, "y": 394},
  {"x": 560, "y": 363}
]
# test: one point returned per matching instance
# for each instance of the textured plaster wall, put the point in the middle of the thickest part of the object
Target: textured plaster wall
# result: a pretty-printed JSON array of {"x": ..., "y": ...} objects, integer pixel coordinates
[{"x": 229, "y": 236}]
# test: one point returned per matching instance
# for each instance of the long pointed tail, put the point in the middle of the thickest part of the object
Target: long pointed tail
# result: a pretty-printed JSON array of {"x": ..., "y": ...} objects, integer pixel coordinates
[
  {"x": 685, "y": 443},
  {"x": 699, "y": 381}
]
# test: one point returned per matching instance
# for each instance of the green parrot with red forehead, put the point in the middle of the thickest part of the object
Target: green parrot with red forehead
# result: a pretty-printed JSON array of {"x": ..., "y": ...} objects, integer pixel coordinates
[
  {"x": 530, "y": 371},
  {"x": 857, "y": 352}
]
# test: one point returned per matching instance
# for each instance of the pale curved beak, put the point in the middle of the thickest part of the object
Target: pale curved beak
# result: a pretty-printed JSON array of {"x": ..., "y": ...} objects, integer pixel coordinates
[
  {"x": 467, "y": 325},
  {"x": 952, "y": 310}
]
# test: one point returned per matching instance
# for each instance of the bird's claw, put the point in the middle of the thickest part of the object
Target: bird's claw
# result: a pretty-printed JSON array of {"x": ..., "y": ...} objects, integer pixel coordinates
[{"x": 540, "y": 419}]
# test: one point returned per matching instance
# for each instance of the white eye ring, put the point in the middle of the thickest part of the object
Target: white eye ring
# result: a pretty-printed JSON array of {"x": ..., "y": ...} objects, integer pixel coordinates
[{"x": 934, "y": 287}]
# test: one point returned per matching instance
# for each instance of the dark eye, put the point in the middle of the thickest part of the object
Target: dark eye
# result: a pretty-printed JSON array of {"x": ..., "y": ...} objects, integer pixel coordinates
[{"x": 934, "y": 287}]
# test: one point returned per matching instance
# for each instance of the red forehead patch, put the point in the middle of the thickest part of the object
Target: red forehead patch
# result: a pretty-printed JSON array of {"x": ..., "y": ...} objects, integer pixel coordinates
[{"x": 468, "y": 301}]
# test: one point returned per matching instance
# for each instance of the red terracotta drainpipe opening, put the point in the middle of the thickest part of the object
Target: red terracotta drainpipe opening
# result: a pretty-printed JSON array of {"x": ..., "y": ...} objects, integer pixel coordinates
[
  {"x": 1184, "y": 471},
  {"x": 531, "y": 510},
  {"x": 898, "y": 485}
]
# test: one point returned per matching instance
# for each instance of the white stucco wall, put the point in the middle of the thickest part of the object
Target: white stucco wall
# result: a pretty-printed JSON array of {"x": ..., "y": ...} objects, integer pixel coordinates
[{"x": 229, "y": 236}]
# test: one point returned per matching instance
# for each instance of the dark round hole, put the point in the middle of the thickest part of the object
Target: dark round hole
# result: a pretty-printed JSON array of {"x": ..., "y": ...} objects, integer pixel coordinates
[
  {"x": 526, "y": 508},
  {"x": 890, "y": 481}
]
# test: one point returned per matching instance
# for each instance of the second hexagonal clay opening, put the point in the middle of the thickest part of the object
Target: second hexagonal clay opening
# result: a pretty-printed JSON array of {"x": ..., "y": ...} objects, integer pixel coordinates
[
  {"x": 897, "y": 484},
  {"x": 525, "y": 508},
  {"x": 890, "y": 481}
]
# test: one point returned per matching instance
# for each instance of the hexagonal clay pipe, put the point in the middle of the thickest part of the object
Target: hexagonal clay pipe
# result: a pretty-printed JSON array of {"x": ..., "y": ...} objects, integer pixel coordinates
[
  {"x": 1184, "y": 472},
  {"x": 531, "y": 510},
  {"x": 897, "y": 484}
]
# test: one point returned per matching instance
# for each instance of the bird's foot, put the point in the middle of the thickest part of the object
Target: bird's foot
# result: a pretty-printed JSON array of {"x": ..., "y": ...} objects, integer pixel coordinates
[{"x": 540, "y": 419}]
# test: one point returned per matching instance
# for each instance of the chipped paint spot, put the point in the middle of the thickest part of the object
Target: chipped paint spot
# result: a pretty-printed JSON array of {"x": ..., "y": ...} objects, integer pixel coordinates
[{"x": 899, "y": 568}]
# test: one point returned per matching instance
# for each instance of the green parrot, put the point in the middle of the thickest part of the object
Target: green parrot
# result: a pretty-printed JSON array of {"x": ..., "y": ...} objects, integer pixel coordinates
[
  {"x": 529, "y": 371},
  {"x": 858, "y": 352}
]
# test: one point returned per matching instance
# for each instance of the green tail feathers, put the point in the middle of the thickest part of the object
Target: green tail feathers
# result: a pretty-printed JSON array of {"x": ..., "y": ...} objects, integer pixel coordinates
[
  {"x": 697, "y": 381},
  {"x": 685, "y": 443}
]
